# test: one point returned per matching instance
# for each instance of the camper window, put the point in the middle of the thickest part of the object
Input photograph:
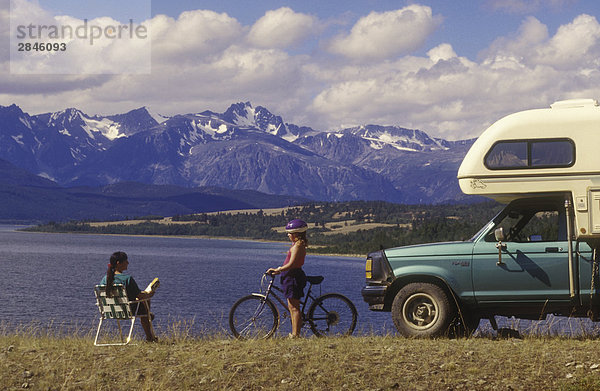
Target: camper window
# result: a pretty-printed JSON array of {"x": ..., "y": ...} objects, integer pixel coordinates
[
  {"x": 507, "y": 154},
  {"x": 556, "y": 153},
  {"x": 523, "y": 154}
]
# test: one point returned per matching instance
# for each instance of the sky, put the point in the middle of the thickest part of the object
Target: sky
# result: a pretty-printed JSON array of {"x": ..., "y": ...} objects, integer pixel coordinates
[{"x": 449, "y": 68}]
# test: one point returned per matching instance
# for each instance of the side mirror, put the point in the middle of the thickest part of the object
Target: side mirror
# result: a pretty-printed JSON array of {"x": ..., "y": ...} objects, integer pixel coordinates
[{"x": 499, "y": 234}]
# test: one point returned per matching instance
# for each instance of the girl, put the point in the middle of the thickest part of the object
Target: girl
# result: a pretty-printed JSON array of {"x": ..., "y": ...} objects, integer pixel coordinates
[
  {"x": 293, "y": 279},
  {"x": 118, "y": 264}
]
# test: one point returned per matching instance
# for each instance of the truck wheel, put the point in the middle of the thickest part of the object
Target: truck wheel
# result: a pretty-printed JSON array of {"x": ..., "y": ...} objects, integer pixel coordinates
[{"x": 422, "y": 310}]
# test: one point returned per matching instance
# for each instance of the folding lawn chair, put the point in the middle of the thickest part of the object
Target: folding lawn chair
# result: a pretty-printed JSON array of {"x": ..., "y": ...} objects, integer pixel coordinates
[{"x": 118, "y": 307}]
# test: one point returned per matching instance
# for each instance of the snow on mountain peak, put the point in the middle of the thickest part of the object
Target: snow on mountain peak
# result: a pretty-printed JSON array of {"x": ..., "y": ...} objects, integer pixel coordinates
[
  {"x": 66, "y": 115},
  {"x": 396, "y": 137},
  {"x": 108, "y": 128},
  {"x": 66, "y": 119},
  {"x": 244, "y": 115},
  {"x": 221, "y": 129},
  {"x": 159, "y": 118},
  {"x": 241, "y": 114},
  {"x": 25, "y": 122},
  {"x": 245, "y": 120}
]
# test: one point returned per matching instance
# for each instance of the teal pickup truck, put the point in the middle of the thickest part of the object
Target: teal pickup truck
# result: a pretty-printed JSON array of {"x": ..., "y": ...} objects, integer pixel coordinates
[{"x": 538, "y": 256}]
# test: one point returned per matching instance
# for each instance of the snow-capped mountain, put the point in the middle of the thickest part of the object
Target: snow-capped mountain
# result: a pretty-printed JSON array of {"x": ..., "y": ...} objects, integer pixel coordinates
[
  {"x": 245, "y": 147},
  {"x": 397, "y": 137},
  {"x": 156, "y": 116},
  {"x": 423, "y": 168},
  {"x": 53, "y": 145},
  {"x": 18, "y": 139},
  {"x": 244, "y": 115}
]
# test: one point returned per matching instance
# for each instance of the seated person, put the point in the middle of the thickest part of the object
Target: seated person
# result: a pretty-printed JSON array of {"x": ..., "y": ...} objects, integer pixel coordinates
[{"x": 114, "y": 275}]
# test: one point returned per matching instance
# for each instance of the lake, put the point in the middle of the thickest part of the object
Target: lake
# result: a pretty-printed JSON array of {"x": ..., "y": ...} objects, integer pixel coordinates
[{"x": 45, "y": 275}]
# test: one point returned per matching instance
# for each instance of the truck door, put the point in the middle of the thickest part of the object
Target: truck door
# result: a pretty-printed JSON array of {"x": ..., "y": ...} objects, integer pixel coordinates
[{"x": 533, "y": 267}]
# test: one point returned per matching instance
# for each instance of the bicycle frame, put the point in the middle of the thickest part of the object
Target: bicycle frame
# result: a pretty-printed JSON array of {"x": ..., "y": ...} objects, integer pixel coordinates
[
  {"x": 328, "y": 314},
  {"x": 272, "y": 289}
]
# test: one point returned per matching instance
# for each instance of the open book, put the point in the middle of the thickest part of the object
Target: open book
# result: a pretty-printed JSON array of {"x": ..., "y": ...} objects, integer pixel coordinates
[{"x": 152, "y": 286}]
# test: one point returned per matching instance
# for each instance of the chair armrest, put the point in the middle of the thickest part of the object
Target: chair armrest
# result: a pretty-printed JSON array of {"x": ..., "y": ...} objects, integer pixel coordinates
[{"x": 145, "y": 302}]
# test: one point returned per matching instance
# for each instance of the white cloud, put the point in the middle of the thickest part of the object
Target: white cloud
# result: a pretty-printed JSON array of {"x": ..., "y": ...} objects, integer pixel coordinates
[
  {"x": 574, "y": 45},
  {"x": 207, "y": 60},
  {"x": 282, "y": 28},
  {"x": 403, "y": 97},
  {"x": 380, "y": 36},
  {"x": 441, "y": 52},
  {"x": 4, "y": 34},
  {"x": 193, "y": 35},
  {"x": 74, "y": 46},
  {"x": 450, "y": 96},
  {"x": 530, "y": 34}
]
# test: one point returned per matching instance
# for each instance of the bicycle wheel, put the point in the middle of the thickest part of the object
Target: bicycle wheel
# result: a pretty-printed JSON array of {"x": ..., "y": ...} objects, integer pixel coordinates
[
  {"x": 332, "y": 314},
  {"x": 253, "y": 316}
]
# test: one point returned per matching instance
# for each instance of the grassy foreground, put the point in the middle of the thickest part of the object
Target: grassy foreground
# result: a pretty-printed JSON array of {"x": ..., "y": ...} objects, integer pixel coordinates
[{"x": 353, "y": 363}]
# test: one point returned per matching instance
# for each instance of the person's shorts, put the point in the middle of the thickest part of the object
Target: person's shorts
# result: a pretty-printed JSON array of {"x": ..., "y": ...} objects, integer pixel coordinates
[
  {"x": 142, "y": 310},
  {"x": 293, "y": 282}
]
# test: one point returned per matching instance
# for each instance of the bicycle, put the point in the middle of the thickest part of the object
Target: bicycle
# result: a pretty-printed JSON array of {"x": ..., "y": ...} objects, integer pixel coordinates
[{"x": 256, "y": 316}]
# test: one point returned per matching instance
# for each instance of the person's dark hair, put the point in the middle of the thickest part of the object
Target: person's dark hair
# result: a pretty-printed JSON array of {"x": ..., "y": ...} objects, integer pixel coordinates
[
  {"x": 118, "y": 256},
  {"x": 301, "y": 237}
]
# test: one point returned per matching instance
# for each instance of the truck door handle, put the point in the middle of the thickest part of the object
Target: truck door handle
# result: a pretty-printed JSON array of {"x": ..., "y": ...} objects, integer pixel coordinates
[{"x": 552, "y": 249}]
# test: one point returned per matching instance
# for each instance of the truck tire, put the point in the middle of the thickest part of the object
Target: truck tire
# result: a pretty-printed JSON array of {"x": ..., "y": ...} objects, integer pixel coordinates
[{"x": 423, "y": 310}]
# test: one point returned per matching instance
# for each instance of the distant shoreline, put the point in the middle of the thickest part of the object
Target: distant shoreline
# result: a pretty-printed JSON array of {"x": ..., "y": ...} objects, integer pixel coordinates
[{"x": 353, "y": 228}]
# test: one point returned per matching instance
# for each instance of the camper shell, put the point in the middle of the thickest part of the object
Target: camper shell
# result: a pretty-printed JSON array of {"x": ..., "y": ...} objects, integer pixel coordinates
[
  {"x": 538, "y": 256},
  {"x": 553, "y": 150}
]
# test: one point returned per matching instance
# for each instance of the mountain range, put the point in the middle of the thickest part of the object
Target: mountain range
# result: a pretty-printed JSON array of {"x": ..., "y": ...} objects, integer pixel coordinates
[
  {"x": 27, "y": 198},
  {"x": 244, "y": 148}
]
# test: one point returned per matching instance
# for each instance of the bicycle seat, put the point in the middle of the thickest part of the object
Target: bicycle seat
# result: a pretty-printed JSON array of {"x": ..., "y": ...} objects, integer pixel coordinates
[{"x": 315, "y": 280}]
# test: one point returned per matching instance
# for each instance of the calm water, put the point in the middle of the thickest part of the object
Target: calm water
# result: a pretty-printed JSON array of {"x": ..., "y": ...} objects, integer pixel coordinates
[{"x": 48, "y": 278}]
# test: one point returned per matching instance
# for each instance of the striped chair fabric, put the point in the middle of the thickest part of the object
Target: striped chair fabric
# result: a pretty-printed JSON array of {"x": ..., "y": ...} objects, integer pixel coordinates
[{"x": 115, "y": 307}]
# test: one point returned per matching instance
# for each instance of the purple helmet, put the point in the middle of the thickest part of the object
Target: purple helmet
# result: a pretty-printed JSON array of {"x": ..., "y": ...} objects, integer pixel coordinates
[{"x": 296, "y": 225}]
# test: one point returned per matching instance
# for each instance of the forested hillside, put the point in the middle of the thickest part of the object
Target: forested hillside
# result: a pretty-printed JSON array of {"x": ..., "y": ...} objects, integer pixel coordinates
[{"x": 356, "y": 227}]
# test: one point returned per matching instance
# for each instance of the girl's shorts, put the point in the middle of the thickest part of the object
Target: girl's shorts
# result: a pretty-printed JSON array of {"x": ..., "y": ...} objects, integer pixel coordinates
[
  {"x": 293, "y": 282},
  {"x": 140, "y": 308}
]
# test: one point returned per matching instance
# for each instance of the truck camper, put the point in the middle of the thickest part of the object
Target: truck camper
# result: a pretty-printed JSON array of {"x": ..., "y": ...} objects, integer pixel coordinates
[
  {"x": 551, "y": 150},
  {"x": 538, "y": 256}
]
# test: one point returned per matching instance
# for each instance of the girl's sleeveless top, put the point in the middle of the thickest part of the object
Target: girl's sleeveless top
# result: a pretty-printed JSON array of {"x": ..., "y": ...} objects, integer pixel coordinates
[{"x": 289, "y": 255}]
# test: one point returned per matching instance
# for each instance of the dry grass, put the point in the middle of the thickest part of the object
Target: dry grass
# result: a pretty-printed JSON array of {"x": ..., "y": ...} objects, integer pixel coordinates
[
  {"x": 30, "y": 360},
  {"x": 165, "y": 220},
  {"x": 335, "y": 227},
  {"x": 169, "y": 220}
]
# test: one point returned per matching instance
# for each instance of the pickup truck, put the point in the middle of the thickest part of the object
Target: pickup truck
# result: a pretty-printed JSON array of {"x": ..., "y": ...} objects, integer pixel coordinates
[{"x": 538, "y": 256}]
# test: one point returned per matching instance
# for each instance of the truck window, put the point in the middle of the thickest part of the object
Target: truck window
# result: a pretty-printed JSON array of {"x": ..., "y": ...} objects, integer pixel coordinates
[
  {"x": 543, "y": 227},
  {"x": 523, "y": 154},
  {"x": 532, "y": 226}
]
